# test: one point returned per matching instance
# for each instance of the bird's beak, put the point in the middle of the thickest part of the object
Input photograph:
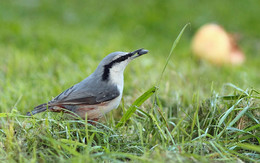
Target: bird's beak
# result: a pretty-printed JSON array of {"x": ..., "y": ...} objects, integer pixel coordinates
[{"x": 138, "y": 53}]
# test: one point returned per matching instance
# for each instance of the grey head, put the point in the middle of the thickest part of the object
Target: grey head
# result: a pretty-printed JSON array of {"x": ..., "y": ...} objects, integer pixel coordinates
[{"x": 116, "y": 62}]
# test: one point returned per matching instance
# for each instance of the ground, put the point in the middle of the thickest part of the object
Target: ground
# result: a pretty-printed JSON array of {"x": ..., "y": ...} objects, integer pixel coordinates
[{"x": 198, "y": 113}]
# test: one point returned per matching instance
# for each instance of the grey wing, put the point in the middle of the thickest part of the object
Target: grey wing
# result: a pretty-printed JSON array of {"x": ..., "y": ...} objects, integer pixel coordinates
[{"x": 81, "y": 95}]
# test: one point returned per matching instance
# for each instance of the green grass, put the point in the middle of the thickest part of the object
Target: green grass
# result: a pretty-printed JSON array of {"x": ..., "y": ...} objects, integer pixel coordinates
[{"x": 199, "y": 113}]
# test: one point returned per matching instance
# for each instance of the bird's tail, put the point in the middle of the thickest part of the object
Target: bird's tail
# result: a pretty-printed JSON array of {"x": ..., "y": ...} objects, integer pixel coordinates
[{"x": 38, "y": 109}]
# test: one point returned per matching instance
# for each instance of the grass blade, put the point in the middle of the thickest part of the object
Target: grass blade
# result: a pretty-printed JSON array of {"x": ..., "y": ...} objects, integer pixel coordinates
[
  {"x": 138, "y": 102},
  {"x": 238, "y": 116},
  {"x": 170, "y": 54},
  {"x": 255, "y": 148},
  {"x": 228, "y": 112},
  {"x": 158, "y": 126}
]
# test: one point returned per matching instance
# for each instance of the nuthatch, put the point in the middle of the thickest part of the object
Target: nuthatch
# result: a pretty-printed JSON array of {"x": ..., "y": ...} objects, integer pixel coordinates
[{"x": 97, "y": 94}]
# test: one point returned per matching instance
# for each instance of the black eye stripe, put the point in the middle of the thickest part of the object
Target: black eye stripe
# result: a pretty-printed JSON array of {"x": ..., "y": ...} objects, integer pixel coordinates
[
  {"x": 120, "y": 59},
  {"x": 107, "y": 67}
]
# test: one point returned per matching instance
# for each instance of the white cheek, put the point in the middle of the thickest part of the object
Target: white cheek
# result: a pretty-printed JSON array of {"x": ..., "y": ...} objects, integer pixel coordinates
[{"x": 120, "y": 67}]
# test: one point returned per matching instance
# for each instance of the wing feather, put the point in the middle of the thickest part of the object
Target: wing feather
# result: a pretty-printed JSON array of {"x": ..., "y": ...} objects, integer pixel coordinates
[{"x": 80, "y": 95}]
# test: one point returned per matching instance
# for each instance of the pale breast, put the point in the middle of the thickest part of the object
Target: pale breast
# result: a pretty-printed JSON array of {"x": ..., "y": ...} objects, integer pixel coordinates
[
  {"x": 113, "y": 104},
  {"x": 97, "y": 111}
]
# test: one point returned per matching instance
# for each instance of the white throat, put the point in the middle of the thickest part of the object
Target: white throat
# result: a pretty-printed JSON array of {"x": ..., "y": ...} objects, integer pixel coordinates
[
  {"x": 117, "y": 75},
  {"x": 117, "y": 78}
]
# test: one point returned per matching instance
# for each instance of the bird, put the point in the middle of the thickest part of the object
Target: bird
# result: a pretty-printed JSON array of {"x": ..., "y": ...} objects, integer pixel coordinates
[{"x": 97, "y": 94}]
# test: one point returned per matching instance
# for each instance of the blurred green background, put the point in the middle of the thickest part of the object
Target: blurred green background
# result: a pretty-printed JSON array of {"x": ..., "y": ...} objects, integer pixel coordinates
[{"x": 47, "y": 46}]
